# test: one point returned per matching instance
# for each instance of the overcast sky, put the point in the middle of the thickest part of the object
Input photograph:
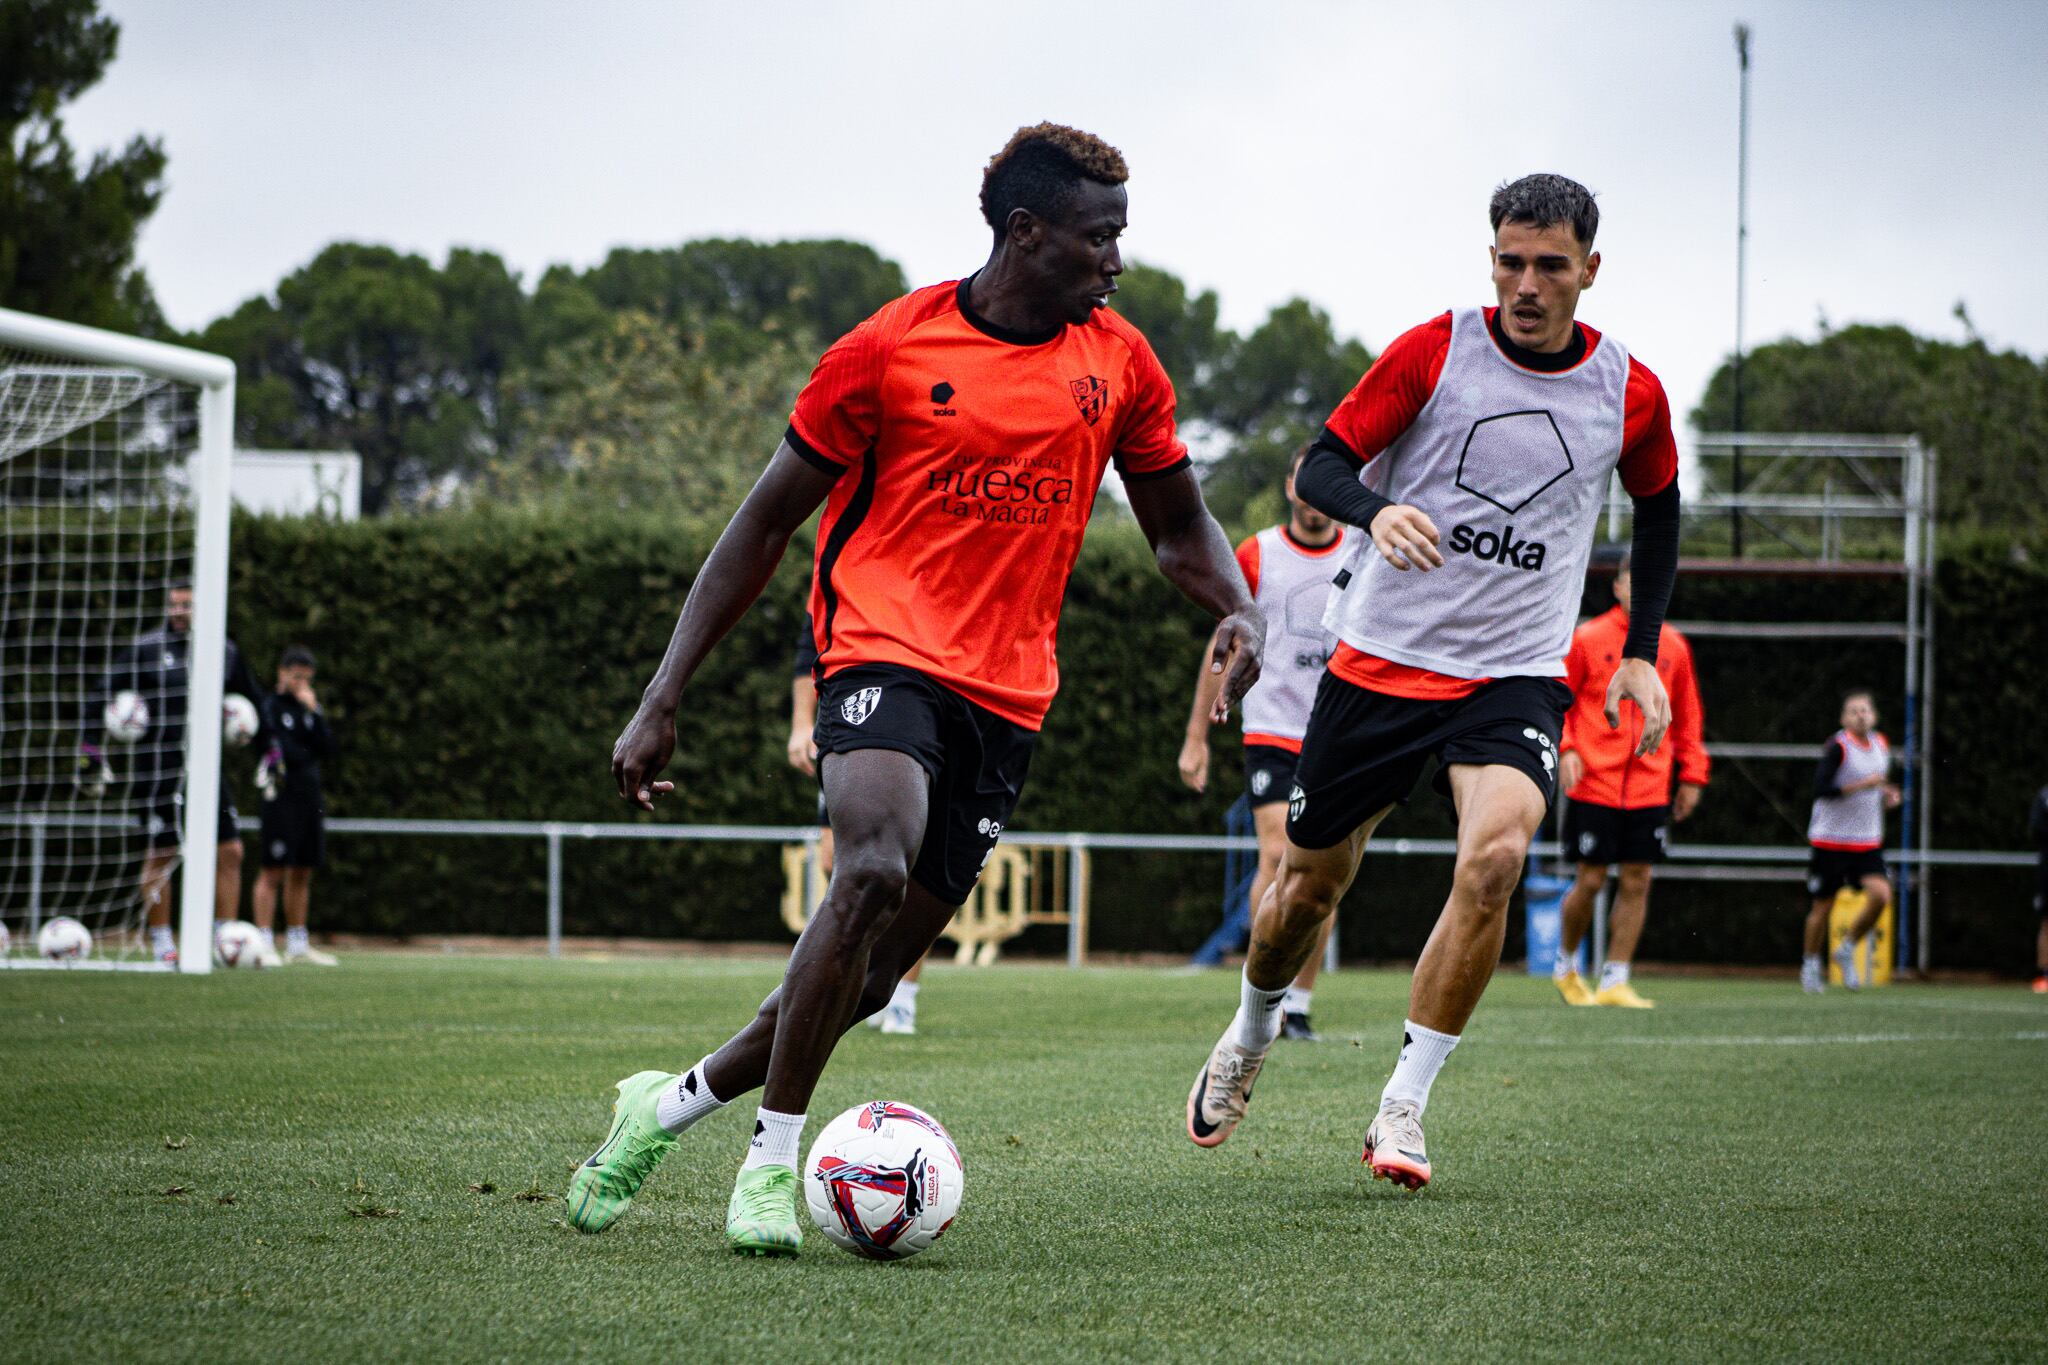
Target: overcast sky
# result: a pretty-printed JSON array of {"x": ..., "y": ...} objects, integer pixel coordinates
[{"x": 1339, "y": 151}]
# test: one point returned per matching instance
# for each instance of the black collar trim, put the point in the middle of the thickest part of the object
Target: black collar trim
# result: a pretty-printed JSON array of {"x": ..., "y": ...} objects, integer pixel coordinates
[
  {"x": 1545, "y": 362},
  {"x": 1008, "y": 335}
]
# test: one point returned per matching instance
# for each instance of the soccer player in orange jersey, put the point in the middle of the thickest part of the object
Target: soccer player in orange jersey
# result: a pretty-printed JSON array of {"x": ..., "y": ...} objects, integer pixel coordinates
[
  {"x": 1501, "y": 426},
  {"x": 956, "y": 439}
]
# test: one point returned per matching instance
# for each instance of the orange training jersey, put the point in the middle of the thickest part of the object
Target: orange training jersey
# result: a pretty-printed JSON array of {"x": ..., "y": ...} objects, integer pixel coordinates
[
  {"x": 1616, "y": 775},
  {"x": 968, "y": 457}
]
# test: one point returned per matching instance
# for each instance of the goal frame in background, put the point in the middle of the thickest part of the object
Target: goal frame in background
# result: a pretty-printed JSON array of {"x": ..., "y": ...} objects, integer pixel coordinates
[{"x": 212, "y": 458}]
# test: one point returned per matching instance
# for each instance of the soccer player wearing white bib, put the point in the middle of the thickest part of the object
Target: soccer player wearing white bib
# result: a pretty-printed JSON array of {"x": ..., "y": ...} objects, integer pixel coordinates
[
  {"x": 1289, "y": 568},
  {"x": 1852, "y": 789},
  {"x": 1502, "y": 426}
]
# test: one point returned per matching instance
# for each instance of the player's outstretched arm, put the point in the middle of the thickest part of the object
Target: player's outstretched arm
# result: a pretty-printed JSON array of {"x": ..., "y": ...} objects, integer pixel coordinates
[
  {"x": 1196, "y": 558},
  {"x": 739, "y": 566}
]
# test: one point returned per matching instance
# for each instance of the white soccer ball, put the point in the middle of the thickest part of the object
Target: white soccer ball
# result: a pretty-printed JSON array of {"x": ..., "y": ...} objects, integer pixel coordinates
[
  {"x": 64, "y": 939},
  {"x": 127, "y": 717},
  {"x": 884, "y": 1180},
  {"x": 237, "y": 719},
  {"x": 237, "y": 943}
]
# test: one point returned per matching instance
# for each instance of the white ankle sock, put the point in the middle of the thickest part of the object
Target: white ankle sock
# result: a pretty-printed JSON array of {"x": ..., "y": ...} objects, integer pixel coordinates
[
  {"x": 1258, "y": 1018},
  {"x": 688, "y": 1100},
  {"x": 1614, "y": 974},
  {"x": 1422, "y": 1053},
  {"x": 296, "y": 939},
  {"x": 905, "y": 997},
  {"x": 1811, "y": 963},
  {"x": 161, "y": 939},
  {"x": 1567, "y": 964},
  {"x": 269, "y": 938},
  {"x": 1295, "y": 1001},
  {"x": 776, "y": 1137}
]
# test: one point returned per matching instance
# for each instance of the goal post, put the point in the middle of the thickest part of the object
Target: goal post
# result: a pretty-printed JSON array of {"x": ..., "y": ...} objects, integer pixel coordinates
[{"x": 115, "y": 455}]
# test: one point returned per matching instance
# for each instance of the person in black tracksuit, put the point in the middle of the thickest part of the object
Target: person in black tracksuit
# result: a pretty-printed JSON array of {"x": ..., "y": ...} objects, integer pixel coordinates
[
  {"x": 157, "y": 665},
  {"x": 294, "y": 811}
]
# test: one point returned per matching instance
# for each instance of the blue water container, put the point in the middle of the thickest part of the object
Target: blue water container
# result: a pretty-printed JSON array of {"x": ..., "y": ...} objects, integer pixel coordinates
[{"x": 1544, "y": 897}]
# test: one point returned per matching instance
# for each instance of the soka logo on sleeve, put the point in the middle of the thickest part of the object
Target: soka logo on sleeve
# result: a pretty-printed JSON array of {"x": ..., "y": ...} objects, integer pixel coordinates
[{"x": 860, "y": 705}]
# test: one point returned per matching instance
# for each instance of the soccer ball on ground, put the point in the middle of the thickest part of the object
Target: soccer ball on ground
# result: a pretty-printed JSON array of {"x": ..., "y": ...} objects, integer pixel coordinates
[
  {"x": 884, "y": 1180},
  {"x": 237, "y": 719},
  {"x": 237, "y": 943},
  {"x": 64, "y": 939},
  {"x": 127, "y": 717}
]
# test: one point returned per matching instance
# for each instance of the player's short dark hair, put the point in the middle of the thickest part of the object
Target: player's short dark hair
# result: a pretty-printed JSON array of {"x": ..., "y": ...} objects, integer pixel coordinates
[
  {"x": 1545, "y": 201},
  {"x": 182, "y": 583},
  {"x": 1040, "y": 167},
  {"x": 1300, "y": 453},
  {"x": 1863, "y": 692},
  {"x": 296, "y": 656}
]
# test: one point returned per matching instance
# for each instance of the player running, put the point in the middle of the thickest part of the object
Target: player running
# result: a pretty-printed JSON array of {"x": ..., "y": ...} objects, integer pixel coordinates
[
  {"x": 957, "y": 439},
  {"x": 158, "y": 665},
  {"x": 1852, "y": 789},
  {"x": 1289, "y": 568},
  {"x": 1618, "y": 803},
  {"x": 1502, "y": 426}
]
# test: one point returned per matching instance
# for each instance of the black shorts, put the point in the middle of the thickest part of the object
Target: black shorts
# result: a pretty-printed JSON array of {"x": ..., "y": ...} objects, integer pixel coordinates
[
  {"x": 1606, "y": 834},
  {"x": 294, "y": 834},
  {"x": 161, "y": 818},
  {"x": 1829, "y": 869},
  {"x": 1364, "y": 750},
  {"x": 975, "y": 759},
  {"x": 1268, "y": 773}
]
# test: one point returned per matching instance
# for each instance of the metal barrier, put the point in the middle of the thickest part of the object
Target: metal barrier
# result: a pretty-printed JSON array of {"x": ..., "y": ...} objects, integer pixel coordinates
[{"x": 1743, "y": 862}]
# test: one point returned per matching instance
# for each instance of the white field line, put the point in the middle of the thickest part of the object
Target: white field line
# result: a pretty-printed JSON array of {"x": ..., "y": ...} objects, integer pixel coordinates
[{"x": 1768, "y": 1040}]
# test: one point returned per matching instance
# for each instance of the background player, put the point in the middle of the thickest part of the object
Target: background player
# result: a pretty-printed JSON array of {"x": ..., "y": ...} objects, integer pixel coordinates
[
  {"x": 294, "y": 838},
  {"x": 1852, "y": 790},
  {"x": 899, "y": 1016},
  {"x": 1618, "y": 803},
  {"x": 1503, "y": 425},
  {"x": 957, "y": 439},
  {"x": 2037, "y": 825},
  {"x": 1289, "y": 567},
  {"x": 158, "y": 665}
]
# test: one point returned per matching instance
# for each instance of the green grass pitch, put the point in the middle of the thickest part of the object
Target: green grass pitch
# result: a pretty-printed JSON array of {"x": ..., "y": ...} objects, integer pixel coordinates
[{"x": 332, "y": 1165}]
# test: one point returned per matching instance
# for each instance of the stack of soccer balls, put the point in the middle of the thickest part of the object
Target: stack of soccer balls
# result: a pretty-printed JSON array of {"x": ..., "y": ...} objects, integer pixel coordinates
[{"x": 884, "y": 1180}]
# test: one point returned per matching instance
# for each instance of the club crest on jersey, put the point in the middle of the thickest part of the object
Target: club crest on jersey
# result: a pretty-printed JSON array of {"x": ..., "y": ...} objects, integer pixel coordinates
[
  {"x": 861, "y": 705},
  {"x": 1091, "y": 395},
  {"x": 1297, "y": 802}
]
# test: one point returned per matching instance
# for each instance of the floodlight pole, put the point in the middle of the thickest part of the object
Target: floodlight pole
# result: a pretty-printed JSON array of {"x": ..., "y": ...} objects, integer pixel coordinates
[{"x": 1741, "y": 277}]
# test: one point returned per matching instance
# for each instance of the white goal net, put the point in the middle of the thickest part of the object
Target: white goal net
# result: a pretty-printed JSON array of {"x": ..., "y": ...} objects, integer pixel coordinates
[{"x": 113, "y": 535}]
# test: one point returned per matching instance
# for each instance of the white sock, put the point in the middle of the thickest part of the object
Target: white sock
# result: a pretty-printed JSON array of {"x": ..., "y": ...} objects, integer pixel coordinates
[
  {"x": 775, "y": 1139},
  {"x": 1614, "y": 974},
  {"x": 296, "y": 939},
  {"x": 1258, "y": 1018},
  {"x": 1422, "y": 1054},
  {"x": 1811, "y": 963},
  {"x": 688, "y": 1100},
  {"x": 1295, "y": 1001},
  {"x": 905, "y": 998},
  {"x": 161, "y": 939},
  {"x": 269, "y": 939},
  {"x": 1567, "y": 963}
]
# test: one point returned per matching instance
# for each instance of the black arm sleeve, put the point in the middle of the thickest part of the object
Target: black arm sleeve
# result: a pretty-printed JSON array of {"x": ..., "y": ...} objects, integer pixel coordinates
[
  {"x": 236, "y": 676},
  {"x": 806, "y": 664},
  {"x": 1825, "y": 783},
  {"x": 1653, "y": 570},
  {"x": 1328, "y": 482}
]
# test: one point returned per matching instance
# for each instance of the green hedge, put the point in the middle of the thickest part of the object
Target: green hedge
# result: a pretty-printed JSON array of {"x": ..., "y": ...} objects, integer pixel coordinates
[{"x": 480, "y": 664}]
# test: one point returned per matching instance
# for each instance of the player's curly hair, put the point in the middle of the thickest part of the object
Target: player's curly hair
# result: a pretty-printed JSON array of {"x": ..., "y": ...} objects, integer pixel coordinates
[
  {"x": 1040, "y": 167},
  {"x": 1545, "y": 201}
]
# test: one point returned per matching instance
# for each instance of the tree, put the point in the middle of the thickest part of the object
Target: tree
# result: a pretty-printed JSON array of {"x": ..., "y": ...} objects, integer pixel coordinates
[
  {"x": 379, "y": 352},
  {"x": 740, "y": 292},
  {"x": 1985, "y": 412},
  {"x": 67, "y": 237},
  {"x": 636, "y": 416}
]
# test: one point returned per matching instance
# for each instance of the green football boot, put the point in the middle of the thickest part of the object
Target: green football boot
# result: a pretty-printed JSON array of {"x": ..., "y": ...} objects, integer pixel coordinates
[
  {"x": 761, "y": 1220},
  {"x": 603, "y": 1187}
]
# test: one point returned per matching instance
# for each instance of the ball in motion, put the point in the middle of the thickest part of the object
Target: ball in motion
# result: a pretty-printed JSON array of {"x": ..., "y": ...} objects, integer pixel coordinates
[
  {"x": 884, "y": 1180},
  {"x": 127, "y": 717},
  {"x": 237, "y": 719},
  {"x": 237, "y": 943},
  {"x": 64, "y": 939}
]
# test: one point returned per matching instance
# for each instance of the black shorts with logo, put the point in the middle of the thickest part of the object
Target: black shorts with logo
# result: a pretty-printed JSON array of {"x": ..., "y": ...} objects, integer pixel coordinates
[
  {"x": 161, "y": 818},
  {"x": 976, "y": 761},
  {"x": 1607, "y": 834},
  {"x": 1830, "y": 869},
  {"x": 294, "y": 833},
  {"x": 1268, "y": 773},
  {"x": 1364, "y": 750}
]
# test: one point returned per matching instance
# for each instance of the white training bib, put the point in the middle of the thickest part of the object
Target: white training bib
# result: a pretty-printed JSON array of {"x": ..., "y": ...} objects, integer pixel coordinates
[
  {"x": 1512, "y": 465},
  {"x": 1293, "y": 592},
  {"x": 1855, "y": 820}
]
